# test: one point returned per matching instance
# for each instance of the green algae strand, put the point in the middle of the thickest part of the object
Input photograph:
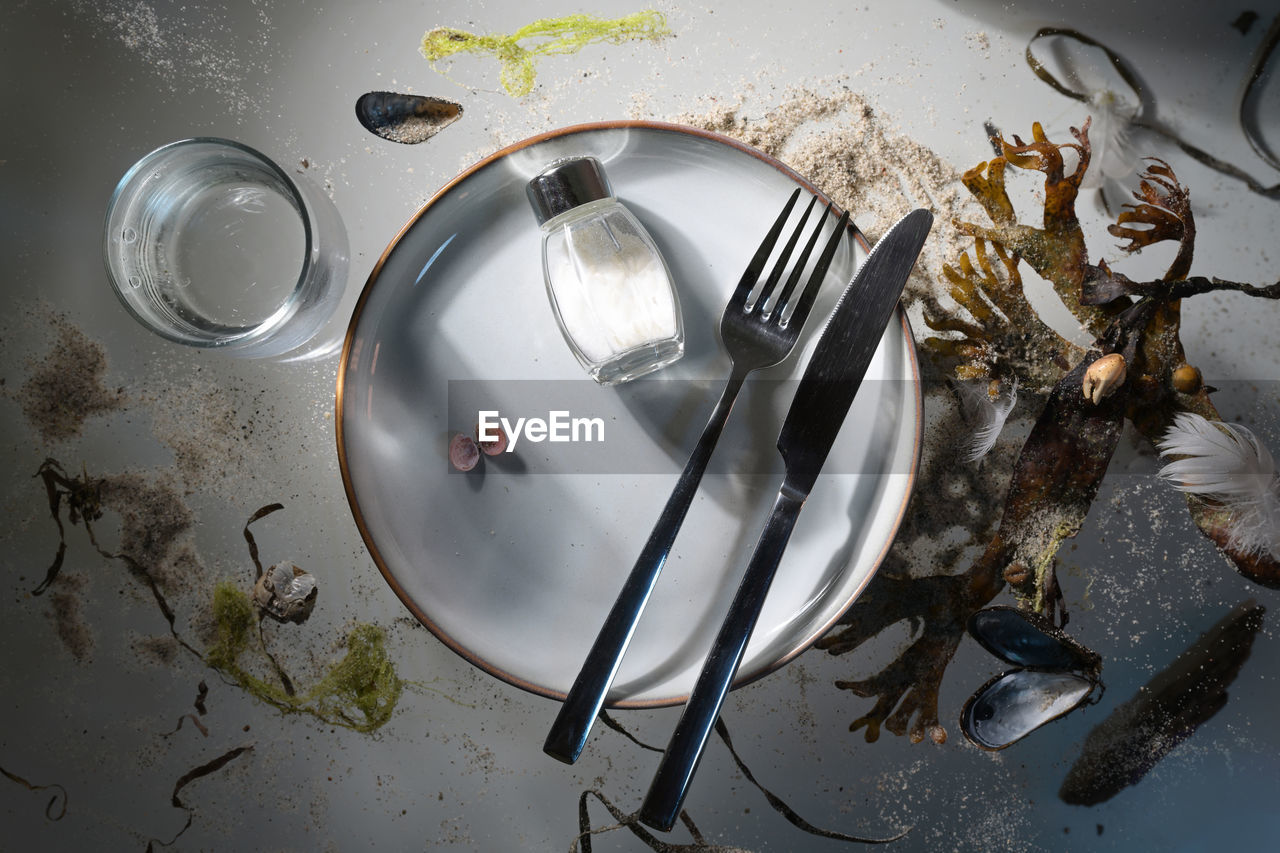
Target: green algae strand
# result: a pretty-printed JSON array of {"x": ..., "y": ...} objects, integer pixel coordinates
[
  {"x": 549, "y": 37},
  {"x": 359, "y": 692},
  {"x": 233, "y": 619}
]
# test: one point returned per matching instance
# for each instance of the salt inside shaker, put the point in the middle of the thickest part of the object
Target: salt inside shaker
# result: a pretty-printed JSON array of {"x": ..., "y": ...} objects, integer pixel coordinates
[{"x": 609, "y": 287}]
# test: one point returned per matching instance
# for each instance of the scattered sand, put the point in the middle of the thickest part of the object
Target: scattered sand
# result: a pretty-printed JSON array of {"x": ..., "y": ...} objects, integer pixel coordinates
[{"x": 65, "y": 387}]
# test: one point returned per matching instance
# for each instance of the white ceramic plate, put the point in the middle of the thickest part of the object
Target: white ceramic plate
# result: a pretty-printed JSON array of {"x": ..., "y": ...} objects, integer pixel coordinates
[{"x": 514, "y": 565}]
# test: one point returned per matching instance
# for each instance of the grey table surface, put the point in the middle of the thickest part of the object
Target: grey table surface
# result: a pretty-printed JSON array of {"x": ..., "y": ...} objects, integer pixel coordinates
[{"x": 91, "y": 85}]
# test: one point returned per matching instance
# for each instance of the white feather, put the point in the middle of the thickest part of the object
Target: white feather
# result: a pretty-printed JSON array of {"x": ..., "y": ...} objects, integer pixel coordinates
[
  {"x": 1113, "y": 157},
  {"x": 987, "y": 414},
  {"x": 1227, "y": 463}
]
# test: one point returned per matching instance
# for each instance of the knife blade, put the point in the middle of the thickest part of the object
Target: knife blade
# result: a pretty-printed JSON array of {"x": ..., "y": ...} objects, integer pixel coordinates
[{"x": 823, "y": 397}]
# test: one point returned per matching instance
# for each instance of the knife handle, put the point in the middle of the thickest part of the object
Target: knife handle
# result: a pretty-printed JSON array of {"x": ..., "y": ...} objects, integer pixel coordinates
[
  {"x": 675, "y": 772},
  {"x": 573, "y": 723}
]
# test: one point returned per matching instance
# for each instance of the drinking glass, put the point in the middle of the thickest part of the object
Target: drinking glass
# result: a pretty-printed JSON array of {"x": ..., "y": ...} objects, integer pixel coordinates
[{"x": 210, "y": 243}]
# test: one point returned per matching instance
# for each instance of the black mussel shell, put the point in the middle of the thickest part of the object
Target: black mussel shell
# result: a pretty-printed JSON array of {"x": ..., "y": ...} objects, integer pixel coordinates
[
  {"x": 1013, "y": 704},
  {"x": 405, "y": 118},
  {"x": 1027, "y": 639}
]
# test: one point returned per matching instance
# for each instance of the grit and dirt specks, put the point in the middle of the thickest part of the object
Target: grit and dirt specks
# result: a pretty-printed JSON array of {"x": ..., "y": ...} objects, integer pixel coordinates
[
  {"x": 67, "y": 385},
  {"x": 211, "y": 428},
  {"x": 192, "y": 47},
  {"x": 159, "y": 650},
  {"x": 155, "y": 528},
  {"x": 66, "y": 599},
  {"x": 979, "y": 41}
]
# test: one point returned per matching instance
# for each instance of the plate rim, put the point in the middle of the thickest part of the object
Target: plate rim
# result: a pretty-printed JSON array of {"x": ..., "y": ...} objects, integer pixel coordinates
[{"x": 348, "y": 345}]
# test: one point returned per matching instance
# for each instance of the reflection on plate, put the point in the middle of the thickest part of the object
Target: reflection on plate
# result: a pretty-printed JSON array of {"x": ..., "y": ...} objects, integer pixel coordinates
[{"x": 514, "y": 565}]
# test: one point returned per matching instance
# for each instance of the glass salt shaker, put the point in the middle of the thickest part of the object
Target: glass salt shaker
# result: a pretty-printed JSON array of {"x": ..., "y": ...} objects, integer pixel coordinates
[{"x": 609, "y": 287}]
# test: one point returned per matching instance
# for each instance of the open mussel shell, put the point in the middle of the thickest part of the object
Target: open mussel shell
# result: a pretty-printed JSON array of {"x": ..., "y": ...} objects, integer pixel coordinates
[
  {"x": 1013, "y": 704},
  {"x": 405, "y": 118},
  {"x": 1027, "y": 639}
]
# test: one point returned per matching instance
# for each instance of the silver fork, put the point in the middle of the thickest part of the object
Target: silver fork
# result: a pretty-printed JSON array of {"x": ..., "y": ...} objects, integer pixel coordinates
[{"x": 756, "y": 334}]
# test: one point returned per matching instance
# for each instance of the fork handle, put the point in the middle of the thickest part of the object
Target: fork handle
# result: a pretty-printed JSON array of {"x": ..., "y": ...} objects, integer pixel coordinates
[
  {"x": 675, "y": 772},
  {"x": 569, "y": 732}
]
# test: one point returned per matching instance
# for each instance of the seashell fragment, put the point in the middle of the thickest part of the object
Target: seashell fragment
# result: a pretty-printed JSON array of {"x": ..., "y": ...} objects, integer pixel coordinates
[
  {"x": 409, "y": 119},
  {"x": 464, "y": 453},
  {"x": 286, "y": 592}
]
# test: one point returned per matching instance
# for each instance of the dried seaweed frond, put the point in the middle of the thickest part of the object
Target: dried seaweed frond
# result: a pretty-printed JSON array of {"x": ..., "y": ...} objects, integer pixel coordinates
[
  {"x": 1163, "y": 213},
  {"x": 1045, "y": 156},
  {"x": 1226, "y": 463},
  {"x": 1144, "y": 115},
  {"x": 1103, "y": 285},
  {"x": 1056, "y": 249},
  {"x": 1061, "y": 465},
  {"x": 1006, "y": 336}
]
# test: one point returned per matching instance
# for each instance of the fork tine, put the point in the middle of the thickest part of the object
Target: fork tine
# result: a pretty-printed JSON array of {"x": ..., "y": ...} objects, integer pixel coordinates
[
  {"x": 810, "y": 292},
  {"x": 798, "y": 267},
  {"x": 781, "y": 264},
  {"x": 752, "y": 274}
]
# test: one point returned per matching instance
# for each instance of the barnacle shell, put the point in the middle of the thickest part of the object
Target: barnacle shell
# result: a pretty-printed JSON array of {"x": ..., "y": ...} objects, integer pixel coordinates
[
  {"x": 1015, "y": 573},
  {"x": 286, "y": 592},
  {"x": 1104, "y": 376}
]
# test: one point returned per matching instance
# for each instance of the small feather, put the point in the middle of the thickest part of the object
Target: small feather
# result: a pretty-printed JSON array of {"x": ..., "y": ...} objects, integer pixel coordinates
[
  {"x": 1113, "y": 157},
  {"x": 1226, "y": 463},
  {"x": 987, "y": 414}
]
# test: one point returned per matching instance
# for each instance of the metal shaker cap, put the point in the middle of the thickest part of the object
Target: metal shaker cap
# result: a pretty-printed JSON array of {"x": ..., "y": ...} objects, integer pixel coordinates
[{"x": 566, "y": 184}]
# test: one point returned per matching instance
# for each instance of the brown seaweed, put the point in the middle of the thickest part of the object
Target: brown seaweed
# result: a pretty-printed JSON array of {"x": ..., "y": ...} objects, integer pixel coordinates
[
  {"x": 83, "y": 498},
  {"x": 1055, "y": 480},
  {"x": 1056, "y": 248},
  {"x": 195, "y": 721},
  {"x": 908, "y": 687},
  {"x": 1138, "y": 734},
  {"x": 187, "y": 778},
  {"x": 1146, "y": 118},
  {"x": 58, "y": 799},
  {"x": 786, "y": 811},
  {"x": 202, "y": 693},
  {"x": 204, "y": 770},
  {"x": 359, "y": 692},
  {"x": 1064, "y": 459},
  {"x": 1009, "y": 338},
  {"x": 1150, "y": 328},
  {"x": 631, "y": 822},
  {"x": 262, "y": 513}
]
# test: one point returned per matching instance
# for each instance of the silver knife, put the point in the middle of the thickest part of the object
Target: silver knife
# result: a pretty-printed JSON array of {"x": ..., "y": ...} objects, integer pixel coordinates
[{"x": 822, "y": 400}]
